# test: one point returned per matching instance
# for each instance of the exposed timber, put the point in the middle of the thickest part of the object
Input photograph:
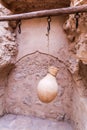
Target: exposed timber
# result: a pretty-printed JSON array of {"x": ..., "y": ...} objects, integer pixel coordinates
[{"x": 45, "y": 13}]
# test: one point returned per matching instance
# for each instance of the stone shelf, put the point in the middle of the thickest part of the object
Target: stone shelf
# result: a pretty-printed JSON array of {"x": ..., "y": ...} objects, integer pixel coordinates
[{"x": 15, "y": 122}]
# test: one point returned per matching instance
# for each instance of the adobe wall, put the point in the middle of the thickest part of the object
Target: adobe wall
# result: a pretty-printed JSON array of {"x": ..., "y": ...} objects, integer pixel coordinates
[
  {"x": 78, "y": 48},
  {"x": 8, "y": 52},
  {"x": 31, "y": 66},
  {"x": 24, "y": 61}
]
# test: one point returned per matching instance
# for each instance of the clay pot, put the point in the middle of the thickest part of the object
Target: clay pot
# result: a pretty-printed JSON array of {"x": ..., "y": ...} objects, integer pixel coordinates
[{"x": 48, "y": 88}]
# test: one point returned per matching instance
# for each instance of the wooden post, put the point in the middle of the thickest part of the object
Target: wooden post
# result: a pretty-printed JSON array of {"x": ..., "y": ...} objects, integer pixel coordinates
[{"x": 45, "y": 13}]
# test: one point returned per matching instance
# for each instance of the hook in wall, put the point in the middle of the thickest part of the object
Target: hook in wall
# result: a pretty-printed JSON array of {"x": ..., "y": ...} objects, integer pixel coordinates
[
  {"x": 19, "y": 26},
  {"x": 49, "y": 21},
  {"x": 77, "y": 16}
]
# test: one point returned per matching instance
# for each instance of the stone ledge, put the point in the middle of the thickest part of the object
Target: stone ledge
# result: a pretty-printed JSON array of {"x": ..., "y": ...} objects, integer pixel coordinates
[{"x": 16, "y": 122}]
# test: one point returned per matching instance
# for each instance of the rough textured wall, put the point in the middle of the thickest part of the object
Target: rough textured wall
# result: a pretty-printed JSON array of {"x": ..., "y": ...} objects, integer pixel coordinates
[
  {"x": 78, "y": 48},
  {"x": 79, "y": 112},
  {"x": 8, "y": 51},
  {"x": 77, "y": 36},
  {"x": 21, "y": 94},
  {"x": 19, "y": 6}
]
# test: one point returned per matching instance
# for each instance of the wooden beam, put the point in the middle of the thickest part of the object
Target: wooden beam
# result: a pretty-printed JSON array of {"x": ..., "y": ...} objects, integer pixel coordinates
[{"x": 45, "y": 13}]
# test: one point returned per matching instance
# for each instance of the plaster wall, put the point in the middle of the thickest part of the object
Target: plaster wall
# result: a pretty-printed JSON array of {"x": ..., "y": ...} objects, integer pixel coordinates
[
  {"x": 31, "y": 66},
  {"x": 34, "y": 37}
]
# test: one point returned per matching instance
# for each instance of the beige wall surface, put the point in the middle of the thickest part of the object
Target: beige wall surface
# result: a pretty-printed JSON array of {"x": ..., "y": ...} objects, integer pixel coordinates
[
  {"x": 33, "y": 37},
  {"x": 21, "y": 93}
]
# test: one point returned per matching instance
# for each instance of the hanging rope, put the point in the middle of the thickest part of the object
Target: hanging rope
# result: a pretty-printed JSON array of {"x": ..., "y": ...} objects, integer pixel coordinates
[{"x": 48, "y": 32}]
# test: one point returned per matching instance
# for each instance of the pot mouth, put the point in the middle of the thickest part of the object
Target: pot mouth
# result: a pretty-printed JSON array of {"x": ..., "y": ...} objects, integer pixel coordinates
[{"x": 53, "y": 70}]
